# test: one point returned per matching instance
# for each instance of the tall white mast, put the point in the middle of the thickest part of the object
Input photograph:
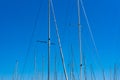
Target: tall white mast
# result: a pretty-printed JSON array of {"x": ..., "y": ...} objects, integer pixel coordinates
[
  {"x": 79, "y": 37},
  {"x": 48, "y": 39}
]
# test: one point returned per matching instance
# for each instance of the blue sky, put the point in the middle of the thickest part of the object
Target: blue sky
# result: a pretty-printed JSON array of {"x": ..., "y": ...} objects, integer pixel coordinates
[{"x": 17, "y": 20}]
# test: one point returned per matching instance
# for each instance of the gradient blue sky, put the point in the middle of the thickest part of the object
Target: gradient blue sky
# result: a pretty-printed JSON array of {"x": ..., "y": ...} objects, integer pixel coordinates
[{"x": 17, "y": 19}]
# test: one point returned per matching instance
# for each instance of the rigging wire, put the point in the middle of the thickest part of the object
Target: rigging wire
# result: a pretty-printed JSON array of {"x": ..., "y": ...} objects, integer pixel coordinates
[
  {"x": 30, "y": 41},
  {"x": 67, "y": 16},
  {"x": 59, "y": 42},
  {"x": 91, "y": 34}
]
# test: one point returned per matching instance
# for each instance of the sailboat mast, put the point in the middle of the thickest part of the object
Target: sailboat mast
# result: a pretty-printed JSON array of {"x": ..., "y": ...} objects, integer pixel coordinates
[
  {"x": 103, "y": 74},
  {"x": 55, "y": 73},
  {"x": 48, "y": 39},
  {"x": 93, "y": 77},
  {"x": 15, "y": 77},
  {"x": 42, "y": 67},
  {"x": 79, "y": 37},
  {"x": 110, "y": 74},
  {"x": 35, "y": 66},
  {"x": 84, "y": 63},
  {"x": 91, "y": 72},
  {"x": 115, "y": 74},
  {"x": 72, "y": 64}
]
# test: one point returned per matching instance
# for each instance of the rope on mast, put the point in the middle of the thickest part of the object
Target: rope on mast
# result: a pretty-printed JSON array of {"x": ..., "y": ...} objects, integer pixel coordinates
[{"x": 60, "y": 46}]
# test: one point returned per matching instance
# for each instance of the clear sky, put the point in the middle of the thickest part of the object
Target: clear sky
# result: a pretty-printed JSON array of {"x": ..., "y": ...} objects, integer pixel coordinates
[{"x": 19, "y": 17}]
